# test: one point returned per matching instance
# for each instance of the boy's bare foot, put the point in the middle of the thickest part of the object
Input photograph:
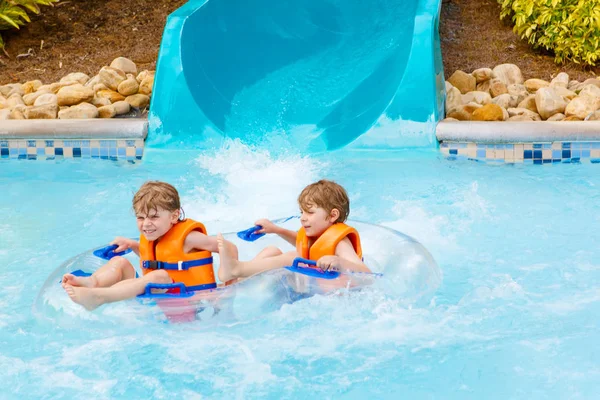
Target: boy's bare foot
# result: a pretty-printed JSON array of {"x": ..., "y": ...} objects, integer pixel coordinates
[
  {"x": 84, "y": 296},
  {"x": 228, "y": 264},
  {"x": 81, "y": 281}
]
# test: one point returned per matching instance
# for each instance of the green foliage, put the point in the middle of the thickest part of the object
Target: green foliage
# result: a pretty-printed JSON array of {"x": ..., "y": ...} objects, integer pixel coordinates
[
  {"x": 569, "y": 28},
  {"x": 13, "y": 13}
]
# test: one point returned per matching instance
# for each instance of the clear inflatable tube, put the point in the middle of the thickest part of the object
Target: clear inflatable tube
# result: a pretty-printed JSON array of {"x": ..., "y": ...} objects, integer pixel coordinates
[{"x": 402, "y": 268}]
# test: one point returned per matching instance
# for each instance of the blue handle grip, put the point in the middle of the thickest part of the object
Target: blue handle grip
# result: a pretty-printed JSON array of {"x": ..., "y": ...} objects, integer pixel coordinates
[
  {"x": 250, "y": 234},
  {"x": 306, "y": 261},
  {"x": 108, "y": 252},
  {"x": 311, "y": 271}
]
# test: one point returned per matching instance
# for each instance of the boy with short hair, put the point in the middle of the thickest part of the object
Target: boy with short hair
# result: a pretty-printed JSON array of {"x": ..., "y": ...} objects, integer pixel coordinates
[
  {"x": 323, "y": 238},
  {"x": 171, "y": 250}
]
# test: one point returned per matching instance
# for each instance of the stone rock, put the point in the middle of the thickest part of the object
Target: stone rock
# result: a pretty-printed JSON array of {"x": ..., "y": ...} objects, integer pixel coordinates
[
  {"x": 453, "y": 99},
  {"x": 92, "y": 82},
  {"x": 483, "y": 74},
  {"x": 3, "y": 102},
  {"x": 30, "y": 98},
  {"x": 110, "y": 94},
  {"x": 509, "y": 74},
  {"x": 46, "y": 111},
  {"x": 4, "y": 114},
  {"x": 78, "y": 77},
  {"x": 572, "y": 118},
  {"x": 107, "y": 111},
  {"x": 523, "y": 111},
  {"x": 497, "y": 87},
  {"x": 144, "y": 74},
  {"x": 482, "y": 98},
  {"x": 483, "y": 86},
  {"x": 564, "y": 93},
  {"x": 462, "y": 81},
  {"x": 100, "y": 86},
  {"x": 518, "y": 90},
  {"x": 31, "y": 86},
  {"x": 18, "y": 112},
  {"x": 80, "y": 111},
  {"x": 100, "y": 101},
  {"x": 122, "y": 107},
  {"x": 579, "y": 87},
  {"x": 146, "y": 85},
  {"x": 489, "y": 112},
  {"x": 449, "y": 120},
  {"x": 561, "y": 80},
  {"x": 529, "y": 103},
  {"x": 505, "y": 101},
  {"x": 138, "y": 100},
  {"x": 590, "y": 90},
  {"x": 10, "y": 89},
  {"x": 14, "y": 100},
  {"x": 595, "y": 116},
  {"x": 522, "y": 118},
  {"x": 47, "y": 98},
  {"x": 505, "y": 115},
  {"x": 75, "y": 94},
  {"x": 129, "y": 86},
  {"x": 125, "y": 65},
  {"x": 532, "y": 85},
  {"x": 557, "y": 117},
  {"x": 56, "y": 86},
  {"x": 582, "y": 106},
  {"x": 464, "y": 112},
  {"x": 549, "y": 103},
  {"x": 573, "y": 84},
  {"x": 111, "y": 77}
]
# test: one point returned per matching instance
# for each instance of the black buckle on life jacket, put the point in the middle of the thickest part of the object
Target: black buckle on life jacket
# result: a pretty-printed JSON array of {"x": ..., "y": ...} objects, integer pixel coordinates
[{"x": 153, "y": 264}]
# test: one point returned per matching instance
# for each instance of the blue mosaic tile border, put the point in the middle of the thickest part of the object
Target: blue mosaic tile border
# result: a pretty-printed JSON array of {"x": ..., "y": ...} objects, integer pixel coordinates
[
  {"x": 44, "y": 149},
  {"x": 526, "y": 153}
]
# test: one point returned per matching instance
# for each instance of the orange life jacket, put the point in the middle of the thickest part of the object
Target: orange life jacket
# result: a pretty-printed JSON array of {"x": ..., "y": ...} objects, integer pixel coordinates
[
  {"x": 326, "y": 243},
  {"x": 194, "y": 270}
]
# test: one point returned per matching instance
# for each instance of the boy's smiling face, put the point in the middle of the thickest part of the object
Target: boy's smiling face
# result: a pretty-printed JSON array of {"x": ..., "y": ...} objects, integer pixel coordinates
[
  {"x": 156, "y": 223},
  {"x": 316, "y": 220}
]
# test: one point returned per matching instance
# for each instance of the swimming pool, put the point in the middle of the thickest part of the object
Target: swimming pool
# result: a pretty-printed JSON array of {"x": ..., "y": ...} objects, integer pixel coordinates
[{"x": 516, "y": 315}]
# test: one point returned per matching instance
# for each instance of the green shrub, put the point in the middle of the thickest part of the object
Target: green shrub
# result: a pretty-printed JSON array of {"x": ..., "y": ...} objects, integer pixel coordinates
[
  {"x": 569, "y": 28},
  {"x": 13, "y": 13}
]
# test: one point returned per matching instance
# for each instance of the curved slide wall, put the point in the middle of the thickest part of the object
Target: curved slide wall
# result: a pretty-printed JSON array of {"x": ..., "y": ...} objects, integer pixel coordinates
[{"x": 313, "y": 74}]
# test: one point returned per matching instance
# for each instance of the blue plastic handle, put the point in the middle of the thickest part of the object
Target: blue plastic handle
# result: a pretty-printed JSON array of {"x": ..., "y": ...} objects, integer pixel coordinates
[
  {"x": 250, "y": 235},
  {"x": 182, "y": 291},
  {"x": 311, "y": 271},
  {"x": 108, "y": 252}
]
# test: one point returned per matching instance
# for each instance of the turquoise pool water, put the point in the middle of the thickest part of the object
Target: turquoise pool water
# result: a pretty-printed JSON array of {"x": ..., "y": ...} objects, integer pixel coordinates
[{"x": 515, "y": 317}]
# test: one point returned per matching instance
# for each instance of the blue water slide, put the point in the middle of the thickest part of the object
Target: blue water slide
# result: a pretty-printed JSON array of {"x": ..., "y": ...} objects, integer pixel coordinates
[{"x": 312, "y": 74}]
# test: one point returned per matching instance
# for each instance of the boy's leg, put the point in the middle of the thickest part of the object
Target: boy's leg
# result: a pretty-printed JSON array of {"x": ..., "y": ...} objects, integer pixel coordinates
[
  {"x": 270, "y": 251},
  {"x": 91, "y": 298},
  {"x": 231, "y": 268},
  {"x": 115, "y": 270}
]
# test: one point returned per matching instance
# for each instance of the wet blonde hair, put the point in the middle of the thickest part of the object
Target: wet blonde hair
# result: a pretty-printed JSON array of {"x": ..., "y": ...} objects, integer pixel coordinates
[
  {"x": 155, "y": 195},
  {"x": 327, "y": 195}
]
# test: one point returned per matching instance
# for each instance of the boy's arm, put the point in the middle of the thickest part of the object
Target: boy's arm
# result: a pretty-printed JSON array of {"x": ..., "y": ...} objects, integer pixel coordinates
[
  {"x": 269, "y": 227},
  {"x": 345, "y": 258},
  {"x": 287, "y": 235},
  {"x": 200, "y": 241},
  {"x": 124, "y": 243}
]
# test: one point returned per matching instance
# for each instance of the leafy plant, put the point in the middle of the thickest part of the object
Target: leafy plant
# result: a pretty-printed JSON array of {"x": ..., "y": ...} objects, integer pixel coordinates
[
  {"x": 569, "y": 28},
  {"x": 13, "y": 13}
]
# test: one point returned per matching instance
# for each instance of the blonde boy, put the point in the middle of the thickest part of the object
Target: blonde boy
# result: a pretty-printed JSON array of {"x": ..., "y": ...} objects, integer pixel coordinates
[
  {"x": 323, "y": 237},
  {"x": 163, "y": 234}
]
